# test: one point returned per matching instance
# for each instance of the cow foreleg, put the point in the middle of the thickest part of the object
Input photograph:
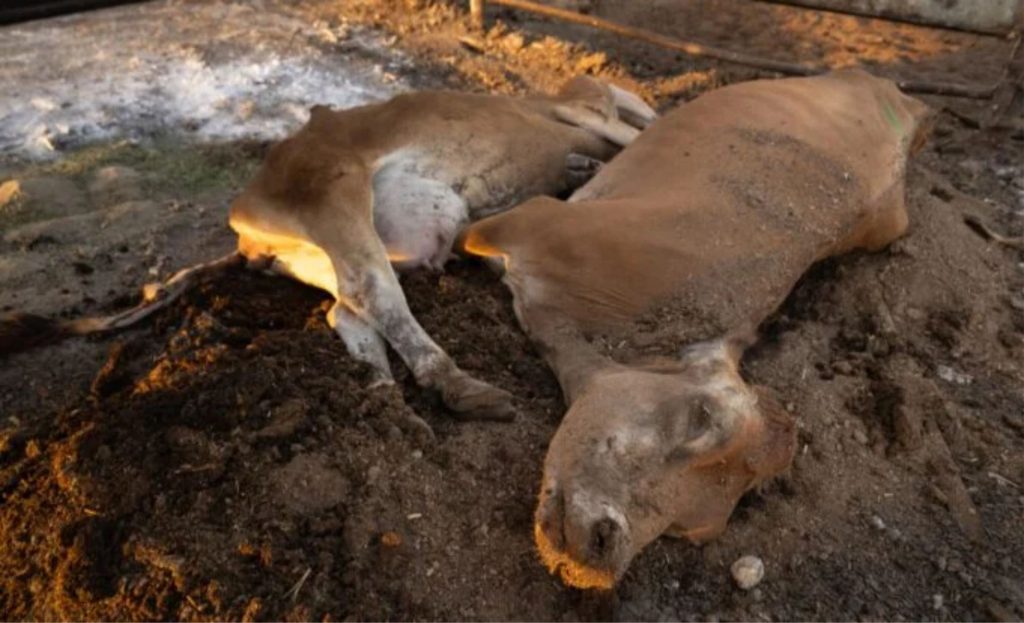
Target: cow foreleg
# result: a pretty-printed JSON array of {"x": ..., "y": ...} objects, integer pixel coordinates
[
  {"x": 611, "y": 129},
  {"x": 631, "y": 108},
  {"x": 580, "y": 168}
]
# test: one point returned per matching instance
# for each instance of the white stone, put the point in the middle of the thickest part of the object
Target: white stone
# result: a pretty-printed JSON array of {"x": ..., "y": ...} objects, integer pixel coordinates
[
  {"x": 748, "y": 572},
  {"x": 950, "y": 375}
]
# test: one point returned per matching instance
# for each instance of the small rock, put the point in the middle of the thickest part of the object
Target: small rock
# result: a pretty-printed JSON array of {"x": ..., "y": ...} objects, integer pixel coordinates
[
  {"x": 748, "y": 572},
  {"x": 116, "y": 184},
  {"x": 878, "y": 346},
  {"x": 32, "y": 449},
  {"x": 309, "y": 484},
  {"x": 513, "y": 42},
  {"x": 877, "y": 523},
  {"x": 952, "y": 376},
  {"x": 285, "y": 421},
  {"x": 843, "y": 367},
  {"x": 103, "y": 453},
  {"x": 860, "y": 437},
  {"x": 972, "y": 166},
  {"x": 373, "y": 475},
  {"x": 591, "y": 62},
  {"x": 937, "y": 601},
  {"x": 417, "y": 454},
  {"x": 245, "y": 109}
]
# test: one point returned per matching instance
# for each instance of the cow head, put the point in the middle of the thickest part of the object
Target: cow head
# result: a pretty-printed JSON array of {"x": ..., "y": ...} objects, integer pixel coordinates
[{"x": 643, "y": 452}]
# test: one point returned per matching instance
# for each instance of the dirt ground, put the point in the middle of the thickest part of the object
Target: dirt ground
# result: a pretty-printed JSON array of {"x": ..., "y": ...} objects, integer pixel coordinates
[{"x": 226, "y": 461}]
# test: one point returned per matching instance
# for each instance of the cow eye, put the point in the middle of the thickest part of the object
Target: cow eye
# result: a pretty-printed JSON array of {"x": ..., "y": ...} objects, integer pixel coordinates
[
  {"x": 678, "y": 454},
  {"x": 699, "y": 421}
]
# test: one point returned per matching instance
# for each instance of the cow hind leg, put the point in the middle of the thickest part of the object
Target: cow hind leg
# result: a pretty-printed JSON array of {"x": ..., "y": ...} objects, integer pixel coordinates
[
  {"x": 362, "y": 341},
  {"x": 365, "y": 344},
  {"x": 380, "y": 302},
  {"x": 368, "y": 287}
]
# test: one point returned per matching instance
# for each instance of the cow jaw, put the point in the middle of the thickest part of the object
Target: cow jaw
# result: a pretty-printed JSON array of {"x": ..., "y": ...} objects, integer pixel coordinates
[{"x": 642, "y": 453}]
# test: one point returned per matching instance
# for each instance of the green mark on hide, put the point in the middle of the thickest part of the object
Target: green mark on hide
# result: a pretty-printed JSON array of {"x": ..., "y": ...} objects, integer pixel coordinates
[{"x": 890, "y": 115}]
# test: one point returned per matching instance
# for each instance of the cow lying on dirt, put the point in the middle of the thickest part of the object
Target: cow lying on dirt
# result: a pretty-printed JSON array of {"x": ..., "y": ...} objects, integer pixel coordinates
[
  {"x": 689, "y": 239},
  {"x": 355, "y": 191}
]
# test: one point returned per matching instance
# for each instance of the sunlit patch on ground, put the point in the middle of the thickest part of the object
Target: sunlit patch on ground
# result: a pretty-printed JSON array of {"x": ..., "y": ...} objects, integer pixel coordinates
[
  {"x": 848, "y": 42},
  {"x": 211, "y": 70}
]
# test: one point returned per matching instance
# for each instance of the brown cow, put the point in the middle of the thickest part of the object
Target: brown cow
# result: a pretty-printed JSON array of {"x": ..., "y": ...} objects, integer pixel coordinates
[
  {"x": 688, "y": 240},
  {"x": 358, "y": 191}
]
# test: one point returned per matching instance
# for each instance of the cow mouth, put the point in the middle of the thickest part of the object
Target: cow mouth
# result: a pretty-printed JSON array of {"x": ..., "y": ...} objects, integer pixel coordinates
[{"x": 573, "y": 572}]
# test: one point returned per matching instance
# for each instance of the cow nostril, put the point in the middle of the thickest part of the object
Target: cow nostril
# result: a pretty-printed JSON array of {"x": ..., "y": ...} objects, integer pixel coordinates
[{"x": 603, "y": 536}]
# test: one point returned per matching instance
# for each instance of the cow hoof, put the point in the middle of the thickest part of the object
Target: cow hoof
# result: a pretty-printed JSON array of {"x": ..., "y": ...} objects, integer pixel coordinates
[
  {"x": 379, "y": 380},
  {"x": 418, "y": 428},
  {"x": 476, "y": 400},
  {"x": 580, "y": 169}
]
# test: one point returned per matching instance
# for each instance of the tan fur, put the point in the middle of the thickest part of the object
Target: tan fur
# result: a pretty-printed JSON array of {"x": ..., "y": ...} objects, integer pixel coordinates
[{"x": 690, "y": 238}]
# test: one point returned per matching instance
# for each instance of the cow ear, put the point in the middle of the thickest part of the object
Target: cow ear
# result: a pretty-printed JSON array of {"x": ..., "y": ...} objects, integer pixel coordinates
[{"x": 777, "y": 446}]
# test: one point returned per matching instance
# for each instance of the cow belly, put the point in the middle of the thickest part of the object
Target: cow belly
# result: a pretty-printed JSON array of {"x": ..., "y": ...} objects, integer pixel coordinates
[{"x": 416, "y": 218}]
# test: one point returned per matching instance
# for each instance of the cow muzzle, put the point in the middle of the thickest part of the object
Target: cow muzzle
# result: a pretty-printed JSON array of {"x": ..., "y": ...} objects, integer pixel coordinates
[{"x": 583, "y": 538}]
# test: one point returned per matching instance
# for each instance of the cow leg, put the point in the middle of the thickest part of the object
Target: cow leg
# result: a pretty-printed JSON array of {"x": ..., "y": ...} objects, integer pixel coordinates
[
  {"x": 365, "y": 344},
  {"x": 378, "y": 299},
  {"x": 368, "y": 287},
  {"x": 614, "y": 130},
  {"x": 362, "y": 341},
  {"x": 580, "y": 168},
  {"x": 631, "y": 108}
]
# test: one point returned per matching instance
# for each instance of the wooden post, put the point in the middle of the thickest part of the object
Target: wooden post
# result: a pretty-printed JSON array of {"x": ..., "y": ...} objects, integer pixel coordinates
[{"x": 476, "y": 13}]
